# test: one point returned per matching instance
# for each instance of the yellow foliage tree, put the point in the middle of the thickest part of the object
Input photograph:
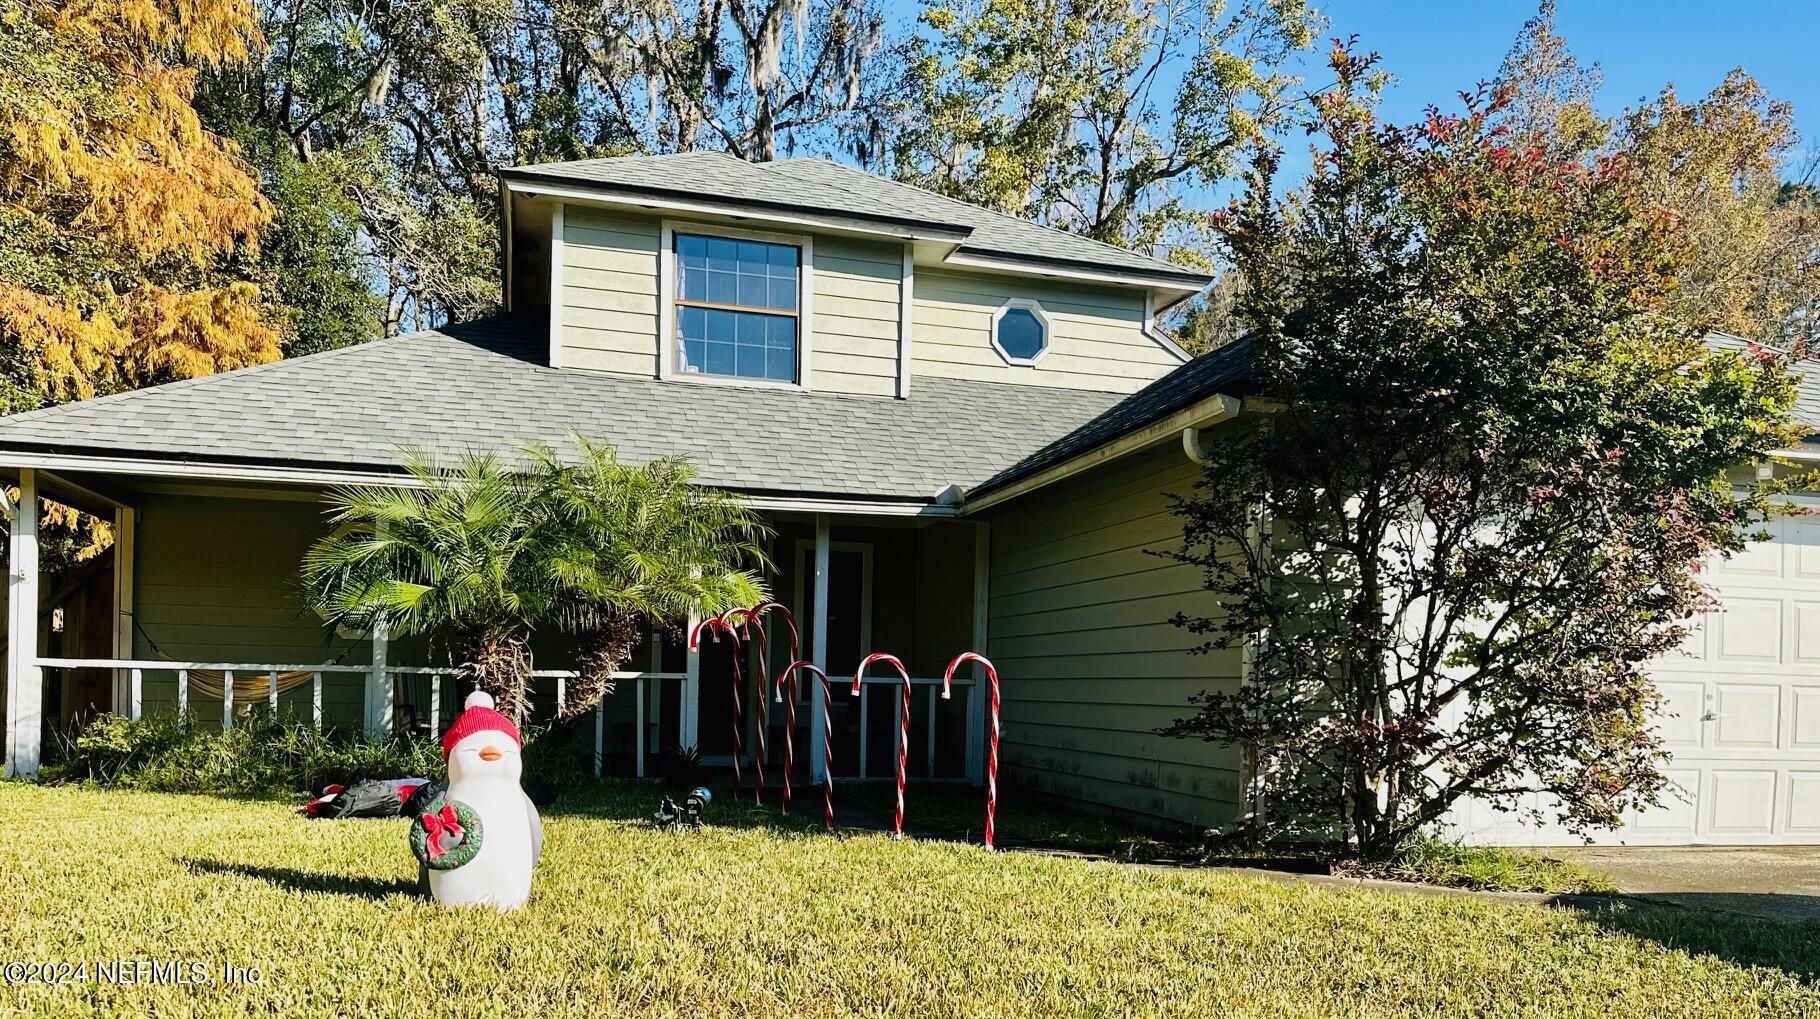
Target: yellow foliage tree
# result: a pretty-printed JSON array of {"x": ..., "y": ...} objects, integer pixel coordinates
[{"x": 121, "y": 213}]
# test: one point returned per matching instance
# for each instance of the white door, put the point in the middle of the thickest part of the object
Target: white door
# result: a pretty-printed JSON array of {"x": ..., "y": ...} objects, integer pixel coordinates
[{"x": 1741, "y": 713}]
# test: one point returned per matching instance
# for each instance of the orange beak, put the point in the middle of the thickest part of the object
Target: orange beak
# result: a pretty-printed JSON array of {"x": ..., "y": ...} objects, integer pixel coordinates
[{"x": 490, "y": 753}]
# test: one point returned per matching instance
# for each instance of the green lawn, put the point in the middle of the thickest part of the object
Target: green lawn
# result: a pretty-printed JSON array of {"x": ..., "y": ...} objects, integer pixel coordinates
[{"x": 750, "y": 918}]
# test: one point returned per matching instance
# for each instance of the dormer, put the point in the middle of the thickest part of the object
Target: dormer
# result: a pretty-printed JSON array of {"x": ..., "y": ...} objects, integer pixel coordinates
[{"x": 811, "y": 276}]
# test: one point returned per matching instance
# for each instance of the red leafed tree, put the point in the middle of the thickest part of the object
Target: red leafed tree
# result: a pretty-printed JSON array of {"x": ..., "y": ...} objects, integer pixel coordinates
[{"x": 1500, "y": 457}]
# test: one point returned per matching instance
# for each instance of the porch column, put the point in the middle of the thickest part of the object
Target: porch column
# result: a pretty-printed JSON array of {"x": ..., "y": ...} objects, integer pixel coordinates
[
  {"x": 125, "y": 523},
  {"x": 378, "y": 699},
  {"x": 818, "y": 653},
  {"x": 24, "y": 680},
  {"x": 982, "y": 613},
  {"x": 379, "y": 685},
  {"x": 689, "y": 727}
]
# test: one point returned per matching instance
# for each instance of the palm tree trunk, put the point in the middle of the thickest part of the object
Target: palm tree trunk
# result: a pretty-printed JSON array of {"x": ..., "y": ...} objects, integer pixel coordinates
[
  {"x": 604, "y": 650},
  {"x": 500, "y": 664}
]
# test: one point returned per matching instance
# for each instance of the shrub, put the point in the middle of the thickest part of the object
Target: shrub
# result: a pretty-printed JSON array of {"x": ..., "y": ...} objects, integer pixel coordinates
[{"x": 260, "y": 755}]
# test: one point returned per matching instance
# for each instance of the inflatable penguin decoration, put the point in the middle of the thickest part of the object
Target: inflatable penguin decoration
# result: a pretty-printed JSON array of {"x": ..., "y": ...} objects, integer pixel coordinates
[{"x": 481, "y": 838}]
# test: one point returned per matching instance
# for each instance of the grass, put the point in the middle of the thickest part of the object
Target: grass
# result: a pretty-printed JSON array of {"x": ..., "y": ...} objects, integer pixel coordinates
[
  {"x": 1439, "y": 862},
  {"x": 960, "y": 811},
  {"x": 756, "y": 917}
]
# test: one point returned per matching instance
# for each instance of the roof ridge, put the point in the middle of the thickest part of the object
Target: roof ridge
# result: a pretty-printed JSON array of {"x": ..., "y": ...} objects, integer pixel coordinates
[{"x": 949, "y": 199}]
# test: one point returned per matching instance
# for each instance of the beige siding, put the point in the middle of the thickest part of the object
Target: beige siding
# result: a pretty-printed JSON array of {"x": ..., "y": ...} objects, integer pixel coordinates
[
  {"x": 1092, "y": 667},
  {"x": 1098, "y": 340},
  {"x": 855, "y": 311},
  {"x": 215, "y": 579},
  {"x": 611, "y": 292},
  {"x": 611, "y": 296},
  {"x": 609, "y": 277}
]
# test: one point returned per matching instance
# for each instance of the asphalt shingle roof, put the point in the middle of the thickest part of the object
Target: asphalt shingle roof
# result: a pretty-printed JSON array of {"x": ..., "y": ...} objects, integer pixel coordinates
[
  {"x": 1226, "y": 370},
  {"x": 822, "y": 186},
  {"x": 484, "y": 387}
]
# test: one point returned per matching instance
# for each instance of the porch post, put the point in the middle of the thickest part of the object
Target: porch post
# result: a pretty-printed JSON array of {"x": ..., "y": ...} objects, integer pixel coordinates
[
  {"x": 378, "y": 683},
  {"x": 24, "y": 680},
  {"x": 124, "y": 525},
  {"x": 689, "y": 727},
  {"x": 818, "y": 653},
  {"x": 982, "y": 610}
]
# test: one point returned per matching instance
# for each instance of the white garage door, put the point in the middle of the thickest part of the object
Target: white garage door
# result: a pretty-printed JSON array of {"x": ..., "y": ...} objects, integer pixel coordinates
[{"x": 1741, "y": 714}]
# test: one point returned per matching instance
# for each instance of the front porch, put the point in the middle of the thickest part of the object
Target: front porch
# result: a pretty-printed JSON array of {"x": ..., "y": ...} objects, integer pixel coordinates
[{"x": 208, "y": 623}]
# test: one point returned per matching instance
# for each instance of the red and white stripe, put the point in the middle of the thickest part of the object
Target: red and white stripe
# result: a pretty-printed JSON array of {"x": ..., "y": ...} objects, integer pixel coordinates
[
  {"x": 903, "y": 732},
  {"x": 827, "y": 738},
  {"x": 992, "y": 745},
  {"x": 755, "y": 621}
]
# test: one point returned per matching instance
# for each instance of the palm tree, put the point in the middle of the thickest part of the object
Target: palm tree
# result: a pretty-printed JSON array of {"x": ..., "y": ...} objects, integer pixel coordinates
[
  {"x": 630, "y": 545},
  {"x": 478, "y": 557},
  {"x": 452, "y": 555}
]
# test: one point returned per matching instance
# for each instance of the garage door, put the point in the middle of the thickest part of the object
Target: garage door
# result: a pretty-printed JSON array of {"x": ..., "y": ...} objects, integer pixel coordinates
[{"x": 1741, "y": 714}]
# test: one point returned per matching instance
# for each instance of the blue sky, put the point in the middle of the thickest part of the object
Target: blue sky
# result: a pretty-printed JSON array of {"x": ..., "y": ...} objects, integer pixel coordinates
[{"x": 1436, "y": 49}]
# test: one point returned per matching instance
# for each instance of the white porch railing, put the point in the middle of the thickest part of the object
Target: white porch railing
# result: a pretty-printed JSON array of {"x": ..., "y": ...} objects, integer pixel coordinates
[
  {"x": 841, "y": 688},
  {"x": 136, "y": 670}
]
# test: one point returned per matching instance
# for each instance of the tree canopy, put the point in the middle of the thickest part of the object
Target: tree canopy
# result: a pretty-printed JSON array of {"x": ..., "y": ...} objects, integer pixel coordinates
[
  {"x": 1098, "y": 117},
  {"x": 1498, "y": 456},
  {"x": 1721, "y": 164},
  {"x": 121, "y": 211}
]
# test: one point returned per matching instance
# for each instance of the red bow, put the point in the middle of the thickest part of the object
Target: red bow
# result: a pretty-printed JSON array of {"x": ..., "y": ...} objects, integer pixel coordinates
[{"x": 435, "y": 824}]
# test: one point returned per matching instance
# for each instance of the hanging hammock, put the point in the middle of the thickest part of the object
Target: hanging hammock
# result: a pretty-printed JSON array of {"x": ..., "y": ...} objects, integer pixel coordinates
[{"x": 248, "y": 686}]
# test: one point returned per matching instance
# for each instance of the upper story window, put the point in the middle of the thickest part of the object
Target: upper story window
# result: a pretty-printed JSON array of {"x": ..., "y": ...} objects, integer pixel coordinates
[
  {"x": 1020, "y": 331},
  {"x": 736, "y": 307}
]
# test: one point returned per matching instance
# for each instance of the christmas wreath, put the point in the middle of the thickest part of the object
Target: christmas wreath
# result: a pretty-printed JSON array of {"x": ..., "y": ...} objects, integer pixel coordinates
[{"x": 447, "y": 835}]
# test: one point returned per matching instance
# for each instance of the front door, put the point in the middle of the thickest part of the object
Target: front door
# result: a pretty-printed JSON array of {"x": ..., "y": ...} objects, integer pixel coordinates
[{"x": 849, "y": 640}]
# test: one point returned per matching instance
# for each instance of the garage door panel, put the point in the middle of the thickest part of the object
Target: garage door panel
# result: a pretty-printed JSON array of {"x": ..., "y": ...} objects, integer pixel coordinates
[
  {"x": 1750, "y": 716},
  {"x": 1750, "y": 630},
  {"x": 1679, "y": 809},
  {"x": 1682, "y": 705},
  {"x": 1761, "y": 560},
  {"x": 1803, "y": 539},
  {"x": 1807, "y": 632},
  {"x": 1804, "y": 705},
  {"x": 1743, "y": 802},
  {"x": 1804, "y": 802}
]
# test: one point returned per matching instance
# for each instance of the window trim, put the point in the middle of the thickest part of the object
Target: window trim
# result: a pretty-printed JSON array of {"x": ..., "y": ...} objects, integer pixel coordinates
[
  {"x": 666, "y": 303},
  {"x": 1033, "y": 307}
]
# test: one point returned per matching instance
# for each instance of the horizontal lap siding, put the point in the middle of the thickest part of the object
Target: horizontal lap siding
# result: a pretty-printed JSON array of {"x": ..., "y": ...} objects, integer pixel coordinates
[
  {"x": 853, "y": 337},
  {"x": 1091, "y": 665},
  {"x": 610, "y": 291},
  {"x": 1098, "y": 339},
  {"x": 216, "y": 579}
]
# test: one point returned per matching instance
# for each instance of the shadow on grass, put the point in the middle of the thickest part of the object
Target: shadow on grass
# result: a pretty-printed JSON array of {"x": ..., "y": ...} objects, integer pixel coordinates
[
  {"x": 1714, "y": 924},
  {"x": 637, "y": 803},
  {"x": 354, "y": 885}
]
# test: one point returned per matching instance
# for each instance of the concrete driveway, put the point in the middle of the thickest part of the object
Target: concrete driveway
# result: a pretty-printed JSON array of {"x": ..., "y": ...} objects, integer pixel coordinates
[{"x": 1776, "y": 882}]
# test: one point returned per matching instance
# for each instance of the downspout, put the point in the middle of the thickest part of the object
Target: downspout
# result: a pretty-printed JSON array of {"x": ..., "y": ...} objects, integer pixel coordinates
[{"x": 1191, "y": 445}]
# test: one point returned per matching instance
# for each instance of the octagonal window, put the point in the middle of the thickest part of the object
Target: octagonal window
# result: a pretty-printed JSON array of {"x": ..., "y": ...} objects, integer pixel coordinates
[{"x": 1020, "y": 331}]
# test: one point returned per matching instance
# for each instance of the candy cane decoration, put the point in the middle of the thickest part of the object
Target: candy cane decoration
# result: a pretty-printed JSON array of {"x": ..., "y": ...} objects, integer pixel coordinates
[
  {"x": 788, "y": 677},
  {"x": 992, "y": 745},
  {"x": 827, "y": 736},
  {"x": 754, "y": 621},
  {"x": 715, "y": 625},
  {"x": 903, "y": 733}
]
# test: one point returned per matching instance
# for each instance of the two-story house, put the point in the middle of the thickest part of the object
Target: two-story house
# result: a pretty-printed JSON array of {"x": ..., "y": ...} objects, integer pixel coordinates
[
  {"x": 924, "y": 397},
  {"x": 963, "y": 427}
]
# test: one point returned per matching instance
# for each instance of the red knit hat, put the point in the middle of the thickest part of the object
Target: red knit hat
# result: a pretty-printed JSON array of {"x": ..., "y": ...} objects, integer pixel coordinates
[{"x": 479, "y": 717}]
